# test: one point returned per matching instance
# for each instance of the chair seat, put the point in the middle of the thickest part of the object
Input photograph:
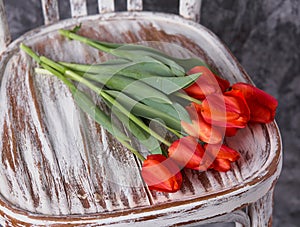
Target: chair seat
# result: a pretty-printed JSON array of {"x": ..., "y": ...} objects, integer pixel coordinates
[{"x": 59, "y": 167}]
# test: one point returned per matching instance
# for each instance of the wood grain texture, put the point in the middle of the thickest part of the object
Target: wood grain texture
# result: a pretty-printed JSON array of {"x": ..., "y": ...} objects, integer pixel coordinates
[
  {"x": 134, "y": 5},
  {"x": 50, "y": 11},
  {"x": 60, "y": 168},
  {"x": 261, "y": 210},
  {"x": 78, "y": 8},
  {"x": 106, "y": 6},
  {"x": 4, "y": 31},
  {"x": 190, "y": 9}
]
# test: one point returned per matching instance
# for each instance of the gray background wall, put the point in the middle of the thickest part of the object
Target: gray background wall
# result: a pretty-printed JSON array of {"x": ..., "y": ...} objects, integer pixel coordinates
[{"x": 265, "y": 37}]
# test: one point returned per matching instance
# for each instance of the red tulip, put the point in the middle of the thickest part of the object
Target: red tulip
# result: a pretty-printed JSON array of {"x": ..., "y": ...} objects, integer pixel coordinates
[
  {"x": 262, "y": 105},
  {"x": 206, "y": 84},
  {"x": 223, "y": 156},
  {"x": 199, "y": 128},
  {"x": 161, "y": 173},
  {"x": 227, "y": 110},
  {"x": 231, "y": 131},
  {"x": 221, "y": 165},
  {"x": 186, "y": 152}
]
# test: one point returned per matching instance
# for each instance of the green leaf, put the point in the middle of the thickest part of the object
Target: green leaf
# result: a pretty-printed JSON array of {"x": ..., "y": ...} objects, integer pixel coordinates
[
  {"x": 135, "y": 52},
  {"x": 86, "y": 104},
  {"x": 128, "y": 51},
  {"x": 148, "y": 141},
  {"x": 139, "y": 69},
  {"x": 76, "y": 28},
  {"x": 146, "y": 67},
  {"x": 134, "y": 88},
  {"x": 175, "y": 110},
  {"x": 189, "y": 63},
  {"x": 169, "y": 85},
  {"x": 110, "y": 67},
  {"x": 145, "y": 111},
  {"x": 178, "y": 66},
  {"x": 154, "y": 74}
]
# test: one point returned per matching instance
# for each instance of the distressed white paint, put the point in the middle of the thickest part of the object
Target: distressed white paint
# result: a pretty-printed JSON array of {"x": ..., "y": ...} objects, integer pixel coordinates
[
  {"x": 71, "y": 159},
  {"x": 190, "y": 9},
  {"x": 78, "y": 8},
  {"x": 134, "y": 5},
  {"x": 106, "y": 6},
  {"x": 50, "y": 11},
  {"x": 4, "y": 31}
]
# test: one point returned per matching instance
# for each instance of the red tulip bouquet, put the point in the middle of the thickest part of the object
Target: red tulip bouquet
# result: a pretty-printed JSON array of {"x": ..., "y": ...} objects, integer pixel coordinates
[{"x": 183, "y": 96}]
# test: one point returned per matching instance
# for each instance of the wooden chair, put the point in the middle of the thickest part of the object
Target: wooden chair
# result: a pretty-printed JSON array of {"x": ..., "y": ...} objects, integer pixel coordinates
[{"x": 59, "y": 168}]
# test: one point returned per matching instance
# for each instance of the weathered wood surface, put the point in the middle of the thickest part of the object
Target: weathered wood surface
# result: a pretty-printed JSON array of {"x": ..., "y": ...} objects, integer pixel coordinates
[
  {"x": 261, "y": 211},
  {"x": 4, "y": 31},
  {"x": 50, "y": 11},
  {"x": 59, "y": 167},
  {"x": 107, "y": 6},
  {"x": 190, "y": 9},
  {"x": 134, "y": 5},
  {"x": 78, "y": 8}
]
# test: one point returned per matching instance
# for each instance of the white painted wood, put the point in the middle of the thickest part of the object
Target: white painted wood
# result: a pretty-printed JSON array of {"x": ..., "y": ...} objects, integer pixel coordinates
[
  {"x": 50, "y": 11},
  {"x": 190, "y": 9},
  {"x": 134, "y": 5},
  {"x": 261, "y": 211},
  {"x": 78, "y": 8},
  {"x": 106, "y": 6},
  {"x": 4, "y": 31},
  {"x": 62, "y": 169}
]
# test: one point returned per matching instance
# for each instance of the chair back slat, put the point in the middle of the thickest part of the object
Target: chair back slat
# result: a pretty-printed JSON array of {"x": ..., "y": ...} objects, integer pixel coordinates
[
  {"x": 106, "y": 6},
  {"x": 4, "y": 31},
  {"x": 134, "y": 5},
  {"x": 78, "y": 8},
  {"x": 50, "y": 11},
  {"x": 190, "y": 9}
]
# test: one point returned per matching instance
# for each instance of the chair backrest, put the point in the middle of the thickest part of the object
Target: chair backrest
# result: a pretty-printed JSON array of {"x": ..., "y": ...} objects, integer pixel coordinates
[{"x": 189, "y": 9}]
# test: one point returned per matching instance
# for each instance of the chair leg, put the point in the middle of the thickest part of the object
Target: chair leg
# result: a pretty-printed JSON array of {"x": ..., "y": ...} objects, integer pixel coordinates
[
  {"x": 261, "y": 211},
  {"x": 238, "y": 224},
  {"x": 242, "y": 219}
]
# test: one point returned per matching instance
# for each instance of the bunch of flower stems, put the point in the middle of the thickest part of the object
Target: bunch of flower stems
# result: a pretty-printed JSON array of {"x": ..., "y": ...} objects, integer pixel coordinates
[
  {"x": 121, "y": 86},
  {"x": 143, "y": 84}
]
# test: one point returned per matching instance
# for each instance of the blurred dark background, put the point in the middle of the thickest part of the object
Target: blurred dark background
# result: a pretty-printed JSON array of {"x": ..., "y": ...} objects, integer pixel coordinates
[{"x": 265, "y": 37}]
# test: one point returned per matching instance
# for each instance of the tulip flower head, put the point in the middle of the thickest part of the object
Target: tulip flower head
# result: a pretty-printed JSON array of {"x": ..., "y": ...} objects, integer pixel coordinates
[
  {"x": 199, "y": 128},
  {"x": 161, "y": 173},
  {"x": 262, "y": 105},
  {"x": 186, "y": 152},
  {"x": 208, "y": 83},
  {"x": 142, "y": 88},
  {"x": 226, "y": 110},
  {"x": 223, "y": 155}
]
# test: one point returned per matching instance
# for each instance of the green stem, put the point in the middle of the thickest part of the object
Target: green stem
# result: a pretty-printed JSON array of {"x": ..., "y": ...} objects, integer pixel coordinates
[
  {"x": 74, "y": 36},
  {"x": 99, "y": 91},
  {"x": 135, "y": 152},
  {"x": 53, "y": 64},
  {"x": 63, "y": 70},
  {"x": 134, "y": 118},
  {"x": 43, "y": 62},
  {"x": 30, "y": 52},
  {"x": 187, "y": 97},
  {"x": 59, "y": 76},
  {"x": 73, "y": 88},
  {"x": 42, "y": 71},
  {"x": 78, "y": 78},
  {"x": 175, "y": 132}
]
